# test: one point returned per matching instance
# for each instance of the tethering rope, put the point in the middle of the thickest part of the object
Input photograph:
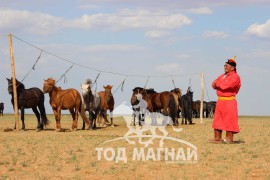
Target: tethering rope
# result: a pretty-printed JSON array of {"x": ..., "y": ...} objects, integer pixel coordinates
[{"x": 98, "y": 70}]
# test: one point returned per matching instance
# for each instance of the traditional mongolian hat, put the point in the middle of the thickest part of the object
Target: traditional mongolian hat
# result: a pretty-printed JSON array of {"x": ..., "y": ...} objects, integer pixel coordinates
[{"x": 232, "y": 61}]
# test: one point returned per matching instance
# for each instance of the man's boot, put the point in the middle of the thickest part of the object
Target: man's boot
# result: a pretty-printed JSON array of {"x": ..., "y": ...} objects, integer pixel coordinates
[
  {"x": 229, "y": 137},
  {"x": 217, "y": 136}
]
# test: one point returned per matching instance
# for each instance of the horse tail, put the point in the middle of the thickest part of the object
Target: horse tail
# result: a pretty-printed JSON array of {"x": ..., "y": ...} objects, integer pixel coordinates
[
  {"x": 83, "y": 114},
  {"x": 172, "y": 108},
  {"x": 42, "y": 110},
  {"x": 44, "y": 118}
]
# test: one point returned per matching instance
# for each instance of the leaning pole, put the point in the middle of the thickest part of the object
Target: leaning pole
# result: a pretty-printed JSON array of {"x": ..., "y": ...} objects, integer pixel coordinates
[{"x": 16, "y": 112}]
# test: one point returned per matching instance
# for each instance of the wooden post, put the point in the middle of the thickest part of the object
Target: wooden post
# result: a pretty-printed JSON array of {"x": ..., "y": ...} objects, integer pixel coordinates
[
  {"x": 16, "y": 112},
  {"x": 202, "y": 98}
]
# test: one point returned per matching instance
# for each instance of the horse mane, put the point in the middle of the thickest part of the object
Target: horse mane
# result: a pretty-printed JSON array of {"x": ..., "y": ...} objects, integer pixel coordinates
[
  {"x": 88, "y": 81},
  {"x": 51, "y": 81},
  {"x": 176, "y": 90},
  {"x": 19, "y": 84},
  {"x": 137, "y": 88},
  {"x": 150, "y": 91}
]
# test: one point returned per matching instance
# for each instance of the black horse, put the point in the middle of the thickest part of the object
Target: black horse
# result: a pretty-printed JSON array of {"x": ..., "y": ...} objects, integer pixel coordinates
[
  {"x": 29, "y": 98},
  {"x": 1, "y": 108},
  {"x": 186, "y": 102},
  {"x": 211, "y": 107}
]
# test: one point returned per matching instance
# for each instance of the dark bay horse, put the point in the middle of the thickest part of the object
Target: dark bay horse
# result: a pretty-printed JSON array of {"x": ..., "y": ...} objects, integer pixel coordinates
[
  {"x": 1, "y": 109},
  {"x": 107, "y": 103},
  {"x": 186, "y": 102},
  {"x": 91, "y": 103},
  {"x": 62, "y": 100},
  {"x": 29, "y": 98},
  {"x": 163, "y": 102}
]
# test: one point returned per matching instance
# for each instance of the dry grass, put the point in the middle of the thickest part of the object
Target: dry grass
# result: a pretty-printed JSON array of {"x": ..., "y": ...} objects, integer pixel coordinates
[{"x": 71, "y": 155}]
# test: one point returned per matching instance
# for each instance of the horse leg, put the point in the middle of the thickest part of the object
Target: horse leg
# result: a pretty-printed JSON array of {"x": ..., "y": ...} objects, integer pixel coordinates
[
  {"x": 104, "y": 116},
  {"x": 57, "y": 114},
  {"x": 93, "y": 122},
  {"x": 22, "y": 118},
  {"x": 74, "y": 124},
  {"x": 111, "y": 116},
  {"x": 40, "y": 125},
  {"x": 76, "y": 118},
  {"x": 83, "y": 126}
]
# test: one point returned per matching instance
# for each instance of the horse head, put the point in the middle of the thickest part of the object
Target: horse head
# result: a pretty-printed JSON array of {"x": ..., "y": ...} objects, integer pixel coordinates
[
  {"x": 133, "y": 99},
  {"x": 19, "y": 85},
  {"x": 86, "y": 89},
  {"x": 108, "y": 89},
  {"x": 48, "y": 85}
]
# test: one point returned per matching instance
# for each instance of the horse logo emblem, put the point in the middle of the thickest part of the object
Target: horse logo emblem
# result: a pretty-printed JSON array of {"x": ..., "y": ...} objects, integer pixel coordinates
[{"x": 152, "y": 122}]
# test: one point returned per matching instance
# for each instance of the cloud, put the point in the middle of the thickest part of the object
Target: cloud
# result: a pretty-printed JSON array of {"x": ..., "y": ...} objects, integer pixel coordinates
[
  {"x": 215, "y": 34},
  {"x": 41, "y": 23},
  {"x": 259, "y": 30},
  {"x": 156, "y": 34},
  {"x": 129, "y": 19},
  {"x": 37, "y": 23},
  {"x": 88, "y": 6},
  {"x": 114, "y": 48},
  {"x": 201, "y": 10},
  {"x": 171, "y": 68}
]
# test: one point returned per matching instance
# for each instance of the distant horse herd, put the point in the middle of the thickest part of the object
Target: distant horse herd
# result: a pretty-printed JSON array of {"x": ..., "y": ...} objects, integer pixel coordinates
[{"x": 170, "y": 104}]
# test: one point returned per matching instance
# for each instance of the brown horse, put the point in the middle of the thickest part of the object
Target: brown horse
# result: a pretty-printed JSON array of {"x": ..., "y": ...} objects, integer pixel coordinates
[
  {"x": 177, "y": 93},
  {"x": 157, "y": 102},
  {"x": 64, "y": 99},
  {"x": 107, "y": 103}
]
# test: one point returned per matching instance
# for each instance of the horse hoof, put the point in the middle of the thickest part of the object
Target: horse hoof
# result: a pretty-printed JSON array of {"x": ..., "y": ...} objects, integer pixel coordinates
[
  {"x": 38, "y": 130},
  {"x": 58, "y": 130},
  {"x": 112, "y": 125},
  {"x": 74, "y": 129}
]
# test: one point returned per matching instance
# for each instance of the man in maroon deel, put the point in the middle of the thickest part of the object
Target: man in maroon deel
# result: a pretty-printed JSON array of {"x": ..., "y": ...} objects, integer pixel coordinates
[{"x": 226, "y": 114}]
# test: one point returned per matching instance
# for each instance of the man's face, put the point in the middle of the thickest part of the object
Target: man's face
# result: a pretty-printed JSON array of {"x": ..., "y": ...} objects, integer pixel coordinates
[{"x": 228, "y": 68}]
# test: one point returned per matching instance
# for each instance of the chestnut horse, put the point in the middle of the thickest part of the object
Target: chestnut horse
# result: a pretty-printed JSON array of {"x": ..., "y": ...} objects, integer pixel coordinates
[
  {"x": 157, "y": 102},
  {"x": 64, "y": 99},
  {"x": 106, "y": 103}
]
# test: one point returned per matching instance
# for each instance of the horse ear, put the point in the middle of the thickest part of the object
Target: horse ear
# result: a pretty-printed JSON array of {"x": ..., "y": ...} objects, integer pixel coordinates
[{"x": 104, "y": 87}]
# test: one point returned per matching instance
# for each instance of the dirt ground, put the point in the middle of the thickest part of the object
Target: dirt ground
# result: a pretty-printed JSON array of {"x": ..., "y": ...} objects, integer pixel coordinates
[{"x": 73, "y": 154}]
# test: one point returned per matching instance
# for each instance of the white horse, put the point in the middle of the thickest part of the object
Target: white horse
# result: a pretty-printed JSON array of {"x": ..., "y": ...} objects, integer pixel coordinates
[{"x": 91, "y": 103}]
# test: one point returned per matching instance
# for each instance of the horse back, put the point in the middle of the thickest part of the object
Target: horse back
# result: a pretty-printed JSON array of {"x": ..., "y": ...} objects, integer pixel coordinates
[
  {"x": 106, "y": 105},
  {"x": 68, "y": 98},
  {"x": 30, "y": 98},
  {"x": 164, "y": 99}
]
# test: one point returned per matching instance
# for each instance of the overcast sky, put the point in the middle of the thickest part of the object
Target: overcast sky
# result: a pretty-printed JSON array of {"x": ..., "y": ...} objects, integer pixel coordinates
[{"x": 138, "y": 41}]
